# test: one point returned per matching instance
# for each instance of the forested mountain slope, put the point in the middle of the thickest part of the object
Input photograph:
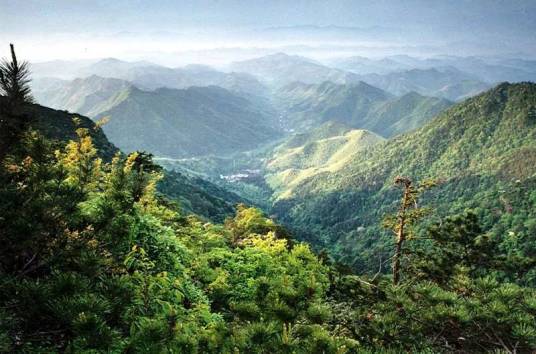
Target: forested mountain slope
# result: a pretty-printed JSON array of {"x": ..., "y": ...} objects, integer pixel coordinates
[
  {"x": 200, "y": 197},
  {"x": 190, "y": 122},
  {"x": 288, "y": 167},
  {"x": 308, "y": 105},
  {"x": 482, "y": 151},
  {"x": 404, "y": 113},
  {"x": 358, "y": 105},
  {"x": 88, "y": 96}
]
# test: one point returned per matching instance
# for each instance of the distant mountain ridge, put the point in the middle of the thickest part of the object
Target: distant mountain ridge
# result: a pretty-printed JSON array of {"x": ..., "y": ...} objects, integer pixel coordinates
[
  {"x": 149, "y": 76},
  {"x": 486, "y": 69},
  {"x": 445, "y": 82},
  {"x": 281, "y": 69}
]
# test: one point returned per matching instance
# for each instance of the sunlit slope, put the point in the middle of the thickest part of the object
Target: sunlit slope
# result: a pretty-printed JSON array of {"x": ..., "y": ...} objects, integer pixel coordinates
[
  {"x": 290, "y": 166},
  {"x": 483, "y": 151}
]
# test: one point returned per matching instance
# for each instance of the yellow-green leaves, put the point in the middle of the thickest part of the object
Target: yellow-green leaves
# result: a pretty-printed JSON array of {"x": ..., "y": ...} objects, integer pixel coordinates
[{"x": 80, "y": 161}]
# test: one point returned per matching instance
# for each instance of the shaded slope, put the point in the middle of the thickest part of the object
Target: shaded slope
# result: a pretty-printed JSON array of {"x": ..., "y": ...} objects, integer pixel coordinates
[
  {"x": 60, "y": 126},
  {"x": 88, "y": 96},
  {"x": 191, "y": 122}
]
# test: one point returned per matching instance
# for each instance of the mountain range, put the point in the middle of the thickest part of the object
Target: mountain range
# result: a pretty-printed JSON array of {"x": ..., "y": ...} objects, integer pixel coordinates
[
  {"x": 168, "y": 122},
  {"x": 487, "y": 69},
  {"x": 149, "y": 76},
  {"x": 445, "y": 82},
  {"x": 397, "y": 77},
  {"x": 281, "y": 69},
  {"x": 208, "y": 120}
]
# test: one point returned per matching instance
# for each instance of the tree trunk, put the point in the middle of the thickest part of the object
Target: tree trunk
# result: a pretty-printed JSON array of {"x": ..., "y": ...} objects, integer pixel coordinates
[
  {"x": 401, "y": 236},
  {"x": 396, "y": 258}
]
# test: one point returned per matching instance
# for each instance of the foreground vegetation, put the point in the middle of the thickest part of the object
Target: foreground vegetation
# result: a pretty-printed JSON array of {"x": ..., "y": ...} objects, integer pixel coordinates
[{"x": 93, "y": 260}]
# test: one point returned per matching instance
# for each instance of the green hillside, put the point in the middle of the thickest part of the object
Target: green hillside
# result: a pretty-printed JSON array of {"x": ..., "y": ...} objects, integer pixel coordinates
[
  {"x": 483, "y": 152},
  {"x": 326, "y": 130},
  {"x": 358, "y": 105},
  {"x": 288, "y": 167},
  {"x": 405, "y": 113},
  {"x": 190, "y": 122},
  {"x": 308, "y": 105}
]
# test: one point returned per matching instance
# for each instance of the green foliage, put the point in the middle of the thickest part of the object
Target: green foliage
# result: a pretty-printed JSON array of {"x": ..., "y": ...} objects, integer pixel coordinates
[
  {"x": 14, "y": 80},
  {"x": 104, "y": 266},
  {"x": 452, "y": 298}
]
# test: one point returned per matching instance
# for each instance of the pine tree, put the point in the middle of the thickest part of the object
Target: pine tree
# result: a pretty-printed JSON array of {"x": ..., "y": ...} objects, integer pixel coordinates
[
  {"x": 408, "y": 214},
  {"x": 15, "y": 81},
  {"x": 14, "y": 86}
]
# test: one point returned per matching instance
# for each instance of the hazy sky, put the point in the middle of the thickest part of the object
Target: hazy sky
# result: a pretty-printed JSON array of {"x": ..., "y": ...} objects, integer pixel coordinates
[{"x": 160, "y": 30}]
